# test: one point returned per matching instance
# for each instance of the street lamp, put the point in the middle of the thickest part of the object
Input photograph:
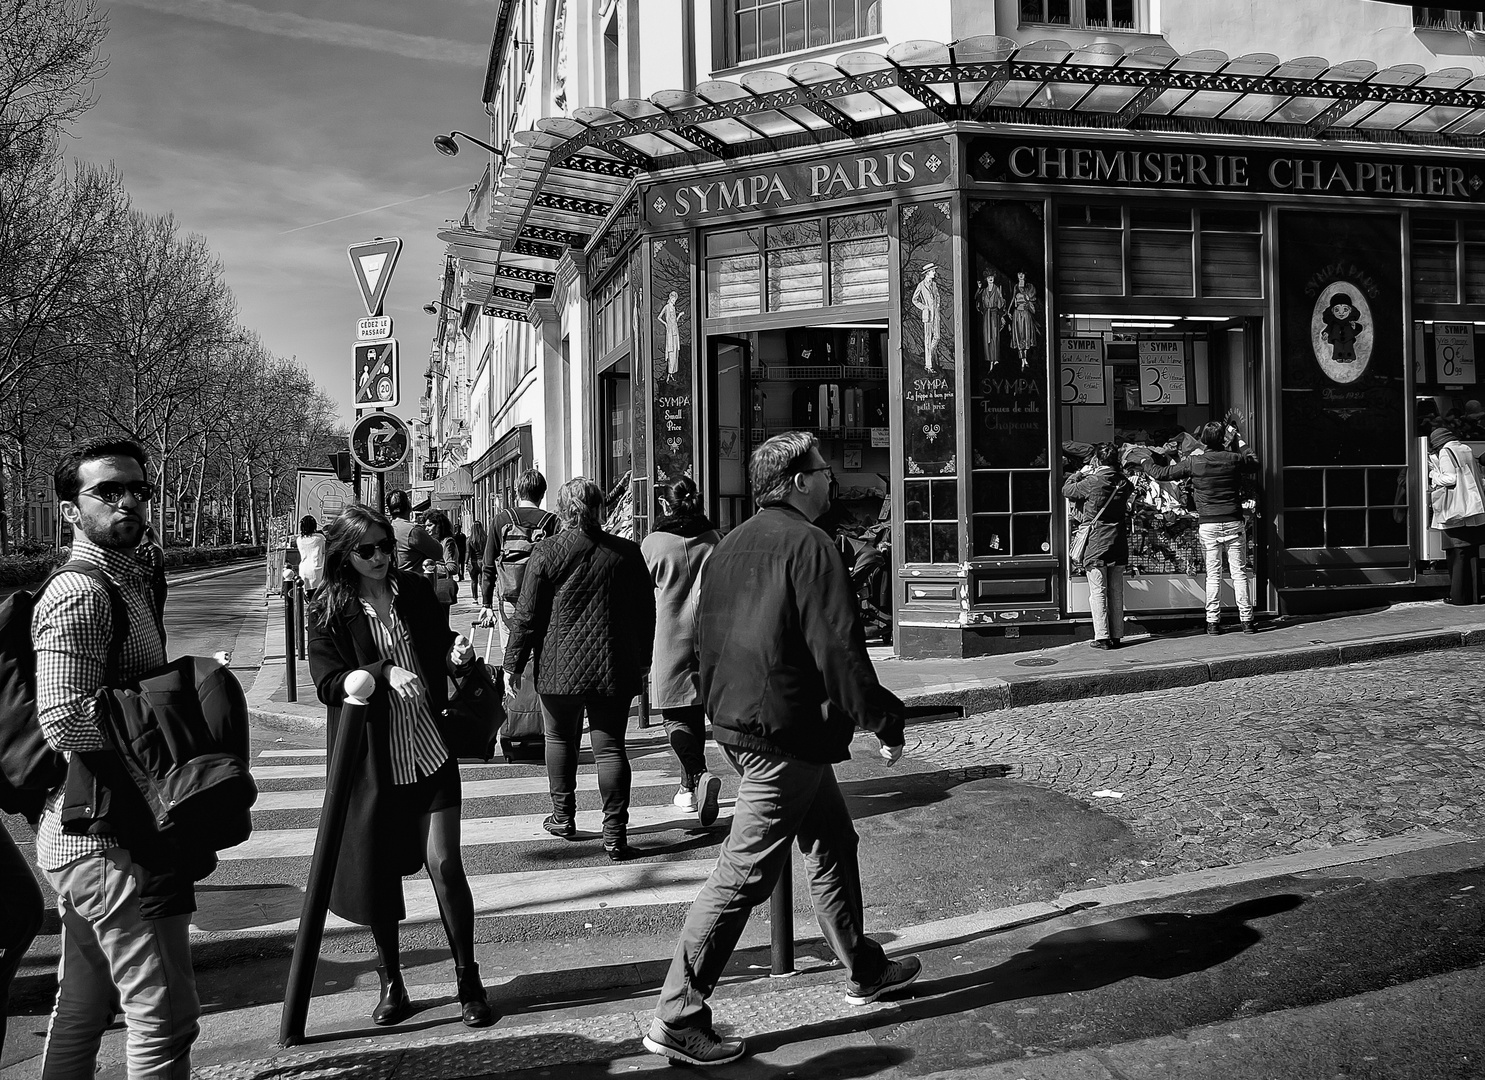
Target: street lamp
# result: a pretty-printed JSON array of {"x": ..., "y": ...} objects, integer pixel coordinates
[
  {"x": 445, "y": 144},
  {"x": 432, "y": 306}
]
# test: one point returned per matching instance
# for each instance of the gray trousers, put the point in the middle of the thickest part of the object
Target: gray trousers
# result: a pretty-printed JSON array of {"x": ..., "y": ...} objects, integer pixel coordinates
[{"x": 778, "y": 800}]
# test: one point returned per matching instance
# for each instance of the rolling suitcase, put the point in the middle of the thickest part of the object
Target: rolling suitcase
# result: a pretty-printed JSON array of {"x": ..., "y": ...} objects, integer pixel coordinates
[{"x": 522, "y": 740}]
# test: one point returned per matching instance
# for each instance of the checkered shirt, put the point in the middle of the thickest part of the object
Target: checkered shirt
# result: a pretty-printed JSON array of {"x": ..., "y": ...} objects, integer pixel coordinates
[{"x": 71, "y": 627}]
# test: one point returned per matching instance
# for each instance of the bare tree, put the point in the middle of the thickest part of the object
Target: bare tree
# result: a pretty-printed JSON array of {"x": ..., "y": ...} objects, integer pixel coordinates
[{"x": 49, "y": 62}]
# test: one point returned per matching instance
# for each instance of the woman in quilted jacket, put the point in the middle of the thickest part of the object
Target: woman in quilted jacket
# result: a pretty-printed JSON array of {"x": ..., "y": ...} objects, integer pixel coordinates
[
  {"x": 586, "y": 623},
  {"x": 1099, "y": 484}
]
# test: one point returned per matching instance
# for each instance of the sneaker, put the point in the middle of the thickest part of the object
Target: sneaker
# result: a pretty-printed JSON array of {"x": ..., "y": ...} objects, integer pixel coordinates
[
  {"x": 685, "y": 798},
  {"x": 707, "y": 789},
  {"x": 1215, "y": 629},
  {"x": 897, "y": 975},
  {"x": 563, "y": 827},
  {"x": 694, "y": 1046}
]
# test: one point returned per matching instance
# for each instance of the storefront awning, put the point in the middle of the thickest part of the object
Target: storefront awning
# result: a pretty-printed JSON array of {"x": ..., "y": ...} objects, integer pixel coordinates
[{"x": 563, "y": 180}]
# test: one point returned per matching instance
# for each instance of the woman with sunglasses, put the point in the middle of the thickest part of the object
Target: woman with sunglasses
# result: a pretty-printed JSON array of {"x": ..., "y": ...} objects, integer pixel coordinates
[{"x": 404, "y": 804}]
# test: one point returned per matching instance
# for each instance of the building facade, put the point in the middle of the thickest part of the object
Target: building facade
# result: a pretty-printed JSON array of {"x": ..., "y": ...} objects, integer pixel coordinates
[{"x": 1079, "y": 221}]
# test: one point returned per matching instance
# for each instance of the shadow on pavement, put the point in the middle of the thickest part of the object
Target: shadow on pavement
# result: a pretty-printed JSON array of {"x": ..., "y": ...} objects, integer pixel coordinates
[
  {"x": 1159, "y": 945},
  {"x": 905, "y": 791}
]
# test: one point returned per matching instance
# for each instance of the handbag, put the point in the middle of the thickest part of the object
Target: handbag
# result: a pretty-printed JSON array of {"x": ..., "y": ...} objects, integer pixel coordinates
[
  {"x": 444, "y": 586},
  {"x": 1078, "y": 545},
  {"x": 1461, "y": 502},
  {"x": 471, "y": 722}
]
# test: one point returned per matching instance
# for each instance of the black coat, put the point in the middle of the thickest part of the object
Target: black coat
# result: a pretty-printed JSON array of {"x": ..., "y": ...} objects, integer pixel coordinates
[
  {"x": 586, "y": 615},
  {"x": 380, "y": 844},
  {"x": 784, "y": 668},
  {"x": 1108, "y": 540}
]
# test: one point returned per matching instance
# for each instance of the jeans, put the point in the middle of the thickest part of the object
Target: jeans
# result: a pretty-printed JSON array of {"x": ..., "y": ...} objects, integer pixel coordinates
[
  {"x": 778, "y": 800},
  {"x": 1230, "y": 537},
  {"x": 21, "y": 912},
  {"x": 1106, "y": 597},
  {"x": 685, "y": 729},
  {"x": 112, "y": 960},
  {"x": 562, "y": 721}
]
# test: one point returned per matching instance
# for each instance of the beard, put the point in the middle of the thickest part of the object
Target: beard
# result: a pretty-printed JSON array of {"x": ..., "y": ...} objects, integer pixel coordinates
[{"x": 116, "y": 535}]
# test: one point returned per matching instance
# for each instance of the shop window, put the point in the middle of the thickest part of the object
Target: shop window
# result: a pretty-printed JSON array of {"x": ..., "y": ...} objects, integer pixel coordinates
[
  {"x": 802, "y": 262},
  {"x": 611, "y": 310},
  {"x": 930, "y": 529},
  {"x": 1435, "y": 260},
  {"x": 762, "y": 28},
  {"x": 1103, "y": 14},
  {"x": 1337, "y": 507},
  {"x": 1162, "y": 245},
  {"x": 1012, "y": 512}
]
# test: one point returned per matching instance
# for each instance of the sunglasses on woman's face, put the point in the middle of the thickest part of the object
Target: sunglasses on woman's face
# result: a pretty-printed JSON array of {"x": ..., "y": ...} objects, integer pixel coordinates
[{"x": 368, "y": 551}]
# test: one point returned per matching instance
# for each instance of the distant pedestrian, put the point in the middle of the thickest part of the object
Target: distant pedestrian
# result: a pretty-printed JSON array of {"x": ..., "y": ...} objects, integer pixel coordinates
[
  {"x": 311, "y": 545},
  {"x": 676, "y": 550},
  {"x": 514, "y": 533},
  {"x": 404, "y": 804},
  {"x": 461, "y": 542},
  {"x": 786, "y": 679},
  {"x": 476, "y": 556},
  {"x": 1217, "y": 485},
  {"x": 414, "y": 545},
  {"x": 1457, "y": 505},
  {"x": 587, "y": 613},
  {"x": 443, "y": 532},
  {"x": 1101, "y": 491}
]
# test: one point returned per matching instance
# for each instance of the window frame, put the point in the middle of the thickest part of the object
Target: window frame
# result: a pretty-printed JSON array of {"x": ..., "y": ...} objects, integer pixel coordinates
[
  {"x": 1077, "y": 18},
  {"x": 729, "y": 50}
]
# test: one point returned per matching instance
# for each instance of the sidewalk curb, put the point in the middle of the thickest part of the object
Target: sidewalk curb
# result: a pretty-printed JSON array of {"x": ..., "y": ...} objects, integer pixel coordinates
[{"x": 991, "y": 694}]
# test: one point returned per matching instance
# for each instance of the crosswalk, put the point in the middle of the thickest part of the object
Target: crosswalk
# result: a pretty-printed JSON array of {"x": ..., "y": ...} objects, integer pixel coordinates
[{"x": 514, "y": 866}]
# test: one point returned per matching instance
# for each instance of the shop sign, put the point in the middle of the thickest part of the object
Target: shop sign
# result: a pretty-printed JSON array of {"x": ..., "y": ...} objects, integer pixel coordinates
[
  {"x": 1250, "y": 170},
  {"x": 1162, "y": 373},
  {"x": 800, "y": 185},
  {"x": 1454, "y": 352},
  {"x": 1082, "y": 371}
]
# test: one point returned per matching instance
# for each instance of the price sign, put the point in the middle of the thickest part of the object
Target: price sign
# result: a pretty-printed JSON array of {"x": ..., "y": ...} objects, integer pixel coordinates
[
  {"x": 1454, "y": 352},
  {"x": 1082, "y": 380},
  {"x": 1162, "y": 373}
]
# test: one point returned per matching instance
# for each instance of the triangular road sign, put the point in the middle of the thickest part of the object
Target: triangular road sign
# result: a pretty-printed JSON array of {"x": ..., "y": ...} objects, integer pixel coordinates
[{"x": 373, "y": 263}]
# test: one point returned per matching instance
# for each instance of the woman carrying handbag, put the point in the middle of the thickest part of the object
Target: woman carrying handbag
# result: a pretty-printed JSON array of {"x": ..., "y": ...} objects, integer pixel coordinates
[
  {"x": 1457, "y": 509},
  {"x": 404, "y": 803},
  {"x": 1101, "y": 543}
]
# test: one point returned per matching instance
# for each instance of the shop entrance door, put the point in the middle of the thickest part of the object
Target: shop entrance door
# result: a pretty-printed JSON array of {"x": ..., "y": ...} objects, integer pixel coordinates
[
  {"x": 1141, "y": 383},
  {"x": 728, "y": 431}
]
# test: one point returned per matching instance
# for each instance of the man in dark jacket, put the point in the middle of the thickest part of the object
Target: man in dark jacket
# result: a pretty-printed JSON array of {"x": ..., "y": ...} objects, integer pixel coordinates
[
  {"x": 786, "y": 679},
  {"x": 1217, "y": 485}
]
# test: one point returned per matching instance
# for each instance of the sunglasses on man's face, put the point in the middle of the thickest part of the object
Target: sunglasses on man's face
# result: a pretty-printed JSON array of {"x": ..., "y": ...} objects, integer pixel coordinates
[
  {"x": 113, "y": 491},
  {"x": 368, "y": 551}
]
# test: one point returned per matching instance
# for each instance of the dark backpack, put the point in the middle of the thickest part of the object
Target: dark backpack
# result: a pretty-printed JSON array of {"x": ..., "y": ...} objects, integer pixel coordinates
[
  {"x": 517, "y": 538},
  {"x": 29, "y": 767}
]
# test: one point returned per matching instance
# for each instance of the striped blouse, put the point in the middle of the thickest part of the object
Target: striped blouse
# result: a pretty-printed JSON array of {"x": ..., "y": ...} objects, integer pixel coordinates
[{"x": 417, "y": 748}]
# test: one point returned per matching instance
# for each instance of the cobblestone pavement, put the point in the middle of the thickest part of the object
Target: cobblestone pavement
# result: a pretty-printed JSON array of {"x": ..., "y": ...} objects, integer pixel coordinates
[{"x": 1231, "y": 771}]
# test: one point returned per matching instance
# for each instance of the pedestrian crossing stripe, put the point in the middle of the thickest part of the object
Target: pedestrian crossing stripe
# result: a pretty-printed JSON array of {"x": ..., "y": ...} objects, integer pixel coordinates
[{"x": 313, "y": 798}]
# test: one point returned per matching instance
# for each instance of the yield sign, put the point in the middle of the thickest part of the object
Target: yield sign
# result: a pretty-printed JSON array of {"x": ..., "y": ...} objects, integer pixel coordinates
[{"x": 373, "y": 263}]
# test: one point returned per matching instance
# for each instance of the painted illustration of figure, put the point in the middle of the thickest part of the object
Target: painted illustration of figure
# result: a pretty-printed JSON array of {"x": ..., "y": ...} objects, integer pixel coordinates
[
  {"x": 990, "y": 302},
  {"x": 671, "y": 319},
  {"x": 1023, "y": 318},
  {"x": 1342, "y": 328},
  {"x": 925, "y": 299}
]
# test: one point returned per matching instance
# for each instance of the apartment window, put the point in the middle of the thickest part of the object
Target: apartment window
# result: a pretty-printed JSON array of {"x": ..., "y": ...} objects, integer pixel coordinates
[
  {"x": 1437, "y": 18},
  {"x": 1092, "y": 14},
  {"x": 761, "y": 28}
]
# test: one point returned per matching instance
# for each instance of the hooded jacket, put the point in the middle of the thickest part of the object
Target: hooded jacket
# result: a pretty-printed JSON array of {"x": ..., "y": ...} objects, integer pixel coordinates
[{"x": 676, "y": 553}]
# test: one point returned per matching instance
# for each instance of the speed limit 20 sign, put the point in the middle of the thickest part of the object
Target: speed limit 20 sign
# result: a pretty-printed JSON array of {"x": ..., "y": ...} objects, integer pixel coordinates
[
  {"x": 375, "y": 374},
  {"x": 1454, "y": 350}
]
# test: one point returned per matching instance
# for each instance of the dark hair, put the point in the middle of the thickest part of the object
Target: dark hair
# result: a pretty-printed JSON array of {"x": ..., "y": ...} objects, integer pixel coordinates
[
  {"x": 580, "y": 505},
  {"x": 438, "y": 521},
  {"x": 1106, "y": 454},
  {"x": 531, "y": 486},
  {"x": 308, "y": 526},
  {"x": 398, "y": 504},
  {"x": 774, "y": 463},
  {"x": 1214, "y": 435},
  {"x": 341, "y": 591},
  {"x": 65, "y": 480},
  {"x": 683, "y": 497}
]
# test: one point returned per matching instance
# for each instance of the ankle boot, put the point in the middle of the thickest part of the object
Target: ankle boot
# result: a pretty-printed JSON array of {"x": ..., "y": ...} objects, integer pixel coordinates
[
  {"x": 395, "y": 1006},
  {"x": 472, "y": 996}
]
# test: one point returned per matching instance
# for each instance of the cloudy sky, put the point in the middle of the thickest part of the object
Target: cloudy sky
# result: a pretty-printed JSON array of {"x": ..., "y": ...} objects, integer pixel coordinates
[{"x": 285, "y": 130}]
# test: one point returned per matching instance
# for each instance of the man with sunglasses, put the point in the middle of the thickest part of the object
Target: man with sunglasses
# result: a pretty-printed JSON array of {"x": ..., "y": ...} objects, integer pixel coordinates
[
  {"x": 120, "y": 951},
  {"x": 786, "y": 680}
]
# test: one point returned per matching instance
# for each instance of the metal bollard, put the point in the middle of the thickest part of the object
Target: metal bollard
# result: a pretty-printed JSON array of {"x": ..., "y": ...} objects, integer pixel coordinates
[
  {"x": 291, "y": 668},
  {"x": 349, "y": 731},
  {"x": 300, "y": 626},
  {"x": 781, "y": 922}
]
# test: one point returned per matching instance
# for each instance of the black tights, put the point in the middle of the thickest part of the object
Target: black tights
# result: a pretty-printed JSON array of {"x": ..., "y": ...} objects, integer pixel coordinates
[{"x": 439, "y": 832}]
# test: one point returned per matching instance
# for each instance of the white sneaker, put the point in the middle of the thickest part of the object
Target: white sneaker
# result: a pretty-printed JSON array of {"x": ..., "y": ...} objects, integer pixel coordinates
[{"x": 685, "y": 798}]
